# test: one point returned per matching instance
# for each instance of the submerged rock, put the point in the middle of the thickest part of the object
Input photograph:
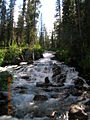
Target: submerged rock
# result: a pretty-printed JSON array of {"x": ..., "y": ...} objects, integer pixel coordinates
[{"x": 40, "y": 98}]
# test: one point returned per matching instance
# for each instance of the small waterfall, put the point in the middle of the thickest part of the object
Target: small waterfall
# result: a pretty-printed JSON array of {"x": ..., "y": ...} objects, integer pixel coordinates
[{"x": 71, "y": 76}]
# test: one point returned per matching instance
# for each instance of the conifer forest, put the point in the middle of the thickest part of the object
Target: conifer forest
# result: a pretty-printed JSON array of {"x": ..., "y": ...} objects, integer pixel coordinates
[{"x": 49, "y": 72}]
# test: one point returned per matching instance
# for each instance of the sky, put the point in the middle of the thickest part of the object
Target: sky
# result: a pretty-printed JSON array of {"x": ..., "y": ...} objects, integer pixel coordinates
[
  {"x": 47, "y": 10},
  {"x": 48, "y": 13}
]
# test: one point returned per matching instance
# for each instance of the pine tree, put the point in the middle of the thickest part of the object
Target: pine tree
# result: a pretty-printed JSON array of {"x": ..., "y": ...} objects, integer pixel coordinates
[
  {"x": 52, "y": 40},
  {"x": 58, "y": 22},
  {"x": 3, "y": 23},
  {"x": 31, "y": 21},
  {"x": 10, "y": 22},
  {"x": 46, "y": 39},
  {"x": 68, "y": 22},
  {"x": 87, "y": 23}
]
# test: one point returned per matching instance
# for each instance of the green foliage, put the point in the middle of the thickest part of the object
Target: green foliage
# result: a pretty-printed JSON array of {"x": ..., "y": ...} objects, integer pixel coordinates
[
  {"x": 38, "y": 48},
  {"x": 85, "y": 63},
  {"x": 63, "y": 55},
  {"x": 4, "y": 80},
  {"x": 11, "y": 54},
  {"x": 2, "y": 55}
]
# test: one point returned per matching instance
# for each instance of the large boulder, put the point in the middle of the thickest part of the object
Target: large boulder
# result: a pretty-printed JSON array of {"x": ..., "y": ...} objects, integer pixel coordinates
[{"x": 77, "y": 112}]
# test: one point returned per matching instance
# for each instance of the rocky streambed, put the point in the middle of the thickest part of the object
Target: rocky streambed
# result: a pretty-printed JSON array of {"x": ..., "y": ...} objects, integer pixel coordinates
[{"x": 48, "y": 90}]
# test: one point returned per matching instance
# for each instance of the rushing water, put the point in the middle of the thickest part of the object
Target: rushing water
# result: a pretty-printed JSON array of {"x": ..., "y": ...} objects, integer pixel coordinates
[{"x": 24, "y": 89}]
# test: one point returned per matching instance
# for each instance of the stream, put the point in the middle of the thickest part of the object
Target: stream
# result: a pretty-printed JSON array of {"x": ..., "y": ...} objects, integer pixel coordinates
[{"x": 45, "y": 90}]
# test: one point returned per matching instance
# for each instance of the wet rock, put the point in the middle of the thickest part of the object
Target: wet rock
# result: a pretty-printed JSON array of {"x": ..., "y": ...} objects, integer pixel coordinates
[
  {"x": 87, "y": 105},
  {"x": 45, "y": 84},
  {"x": 40, "y": 98},
  {"x": 38, "y": 55},
  {"x": 16, "y": 60},
  {"x": 77, "y": 112},
  {"x": 21, "y": 87},
  {"x": 56, "y": 71},
  {"x": 41, "y": 84},
  {"x": 25, "y": 77},
  {"x": 75, "y": 92},
  {"x": 79, "y": 83},
  {"x": 54, "y": 115},
  {"x": 61, "y": 81},
  {"x": 47, "y": 89},
  {"x": 30, "y": 62},
  {"x": 22, "y": 91},
  {"x": 47, "y": 80},
  {"x": 62, "y": 76}
]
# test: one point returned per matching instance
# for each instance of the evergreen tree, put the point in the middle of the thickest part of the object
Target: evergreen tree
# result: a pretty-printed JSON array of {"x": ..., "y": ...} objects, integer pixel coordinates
[
  {"x": 31, "y": 21},
  {"x": 10, "y": 22},
  {"x": 52, "y": 40},
  {"x": 3, "y": 23},
  {"x": 46, "y": 39},
  {"x": 58, "y": 22},
  {"x": 86, "y": 24}
]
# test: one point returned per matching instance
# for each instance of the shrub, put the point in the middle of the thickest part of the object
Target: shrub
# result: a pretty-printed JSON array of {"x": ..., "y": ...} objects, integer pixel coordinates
[
  {"x": 10, "y": 55},
  {"x": 62, "y": 55}
]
